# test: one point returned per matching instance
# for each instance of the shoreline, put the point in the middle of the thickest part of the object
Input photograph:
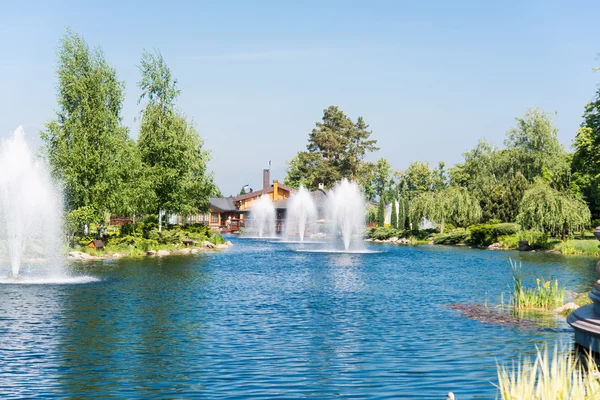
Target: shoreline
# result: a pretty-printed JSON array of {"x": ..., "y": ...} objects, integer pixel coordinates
[{"x": 205, "y": 247}]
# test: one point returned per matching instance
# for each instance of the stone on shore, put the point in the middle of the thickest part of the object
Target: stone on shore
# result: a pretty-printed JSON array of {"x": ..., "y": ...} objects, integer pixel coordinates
[
  {"x": 567, "y": 307},
  {"x": 207, "y": 244},
  {"x": 222, "y": 247},
  {"x": 151, "y": 252},
  {"x": 78, "y": 255},
  {"x": 161, "y": 253},
  {"x": 495, "y": 246}
]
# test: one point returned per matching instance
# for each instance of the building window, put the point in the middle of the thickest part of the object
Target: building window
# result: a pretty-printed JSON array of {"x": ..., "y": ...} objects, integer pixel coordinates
[{"x": 214, "y": 218}]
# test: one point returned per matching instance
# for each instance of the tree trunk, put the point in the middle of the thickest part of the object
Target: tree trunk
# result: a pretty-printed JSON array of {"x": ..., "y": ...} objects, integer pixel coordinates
[
  {"x": 160, "y": 220},
  {"x": 564, "y": 233}
]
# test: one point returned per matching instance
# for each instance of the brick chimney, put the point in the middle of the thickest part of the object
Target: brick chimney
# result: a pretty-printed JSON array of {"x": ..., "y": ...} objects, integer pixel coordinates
[{"x": 266, "y": 179}]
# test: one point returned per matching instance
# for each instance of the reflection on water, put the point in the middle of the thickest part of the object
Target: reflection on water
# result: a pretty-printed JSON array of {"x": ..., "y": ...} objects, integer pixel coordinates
[{"x": 262, "y": 320}]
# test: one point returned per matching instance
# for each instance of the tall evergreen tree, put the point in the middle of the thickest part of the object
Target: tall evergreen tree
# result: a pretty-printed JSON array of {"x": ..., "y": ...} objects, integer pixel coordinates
[
  {"x": 381, "y": 213},
  {"x": 336, "y": 149},
  {"x": 394, "y": 217}
]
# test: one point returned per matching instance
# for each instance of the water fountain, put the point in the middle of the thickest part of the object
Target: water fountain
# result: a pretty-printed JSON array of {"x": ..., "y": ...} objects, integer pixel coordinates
[
  {"x": 262, "y": 213},
  {"x": 346, "y": 211},
  {"x": 300, "y": 212},
  {"x": 30, "y": 215}
]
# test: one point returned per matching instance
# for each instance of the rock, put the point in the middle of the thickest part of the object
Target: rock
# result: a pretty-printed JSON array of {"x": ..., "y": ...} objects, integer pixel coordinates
[
  {"x": 163, "y": 253},
  {"x": 393, "y": 239},
  {"x": 194, "y": 251},
  {"x": 78, "y": 255},
  {"x": 151, "y": 252},
  {"x": 368, "y": 240},
  {"x": 495, "y": 246},
  {"x": 567, "y": 307},
  {"x": 524, "y": 245},
  {"x": 207, "y": 244},
  {"x": 183, "y": 251},
  {"x": 222, "y": 247},
  {"x": 431, "y": 242},
  {"x": 228, "y": 243},
  {"x": 117, "y": 255}
]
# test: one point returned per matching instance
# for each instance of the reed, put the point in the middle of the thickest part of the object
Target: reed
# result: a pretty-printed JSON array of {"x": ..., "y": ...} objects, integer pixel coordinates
[
  {"x": 546, "y": 295},
  {"x": 561, "y": 375}
]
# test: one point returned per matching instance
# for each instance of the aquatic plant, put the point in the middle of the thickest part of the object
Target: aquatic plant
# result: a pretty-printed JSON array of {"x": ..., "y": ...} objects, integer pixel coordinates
[
  {"x": 547, "y": 294},
  {"x": 560, "y": 376}
]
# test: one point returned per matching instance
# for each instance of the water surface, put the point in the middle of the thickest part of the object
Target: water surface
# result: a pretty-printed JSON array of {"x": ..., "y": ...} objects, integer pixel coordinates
[{"x": 262, "y": 320}]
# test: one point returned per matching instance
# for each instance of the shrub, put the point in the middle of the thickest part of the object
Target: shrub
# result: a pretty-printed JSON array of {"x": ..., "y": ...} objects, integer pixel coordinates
[
  {"x": 480, "y": 235},
  {"x": 383, "y": 233},
  {"x": 505, "y": 229},
  {"x": 533, "y": 237},
  {"x": 217, "y": 238},
  {"x": 422, "y": 234},
  {"x": 455, "y": 236},
  {"x": 509, "y": 242}
]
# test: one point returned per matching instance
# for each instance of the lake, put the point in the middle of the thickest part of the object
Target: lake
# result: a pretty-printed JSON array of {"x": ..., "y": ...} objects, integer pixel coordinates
[{"x": 262, "y": 320}]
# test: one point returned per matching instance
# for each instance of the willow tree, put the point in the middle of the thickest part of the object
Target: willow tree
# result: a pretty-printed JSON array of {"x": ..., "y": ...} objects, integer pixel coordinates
[
  {"x": 547, "y": 210},
  {"x": 453, "y": 205},
  {"x": 381, "y": 213}
]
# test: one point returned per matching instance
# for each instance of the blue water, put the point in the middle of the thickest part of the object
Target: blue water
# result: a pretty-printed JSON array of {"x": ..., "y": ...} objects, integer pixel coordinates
[{"x": 264, "y": 321}]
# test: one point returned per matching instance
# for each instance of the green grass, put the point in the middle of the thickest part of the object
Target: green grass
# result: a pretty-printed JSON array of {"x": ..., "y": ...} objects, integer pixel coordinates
[
  {"x": 547, "y": 294},
  {"x": 586, "y": 247},
  {"x": 558, "y": 376}
]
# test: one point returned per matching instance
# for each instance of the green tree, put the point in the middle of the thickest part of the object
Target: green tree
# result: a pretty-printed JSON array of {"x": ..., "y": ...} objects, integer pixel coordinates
[
  {"x": 336, "y": 149},
  {"x": 451, "y": 205},
  {"x": 171, "y": 148},
  {"x": 547, "y": 210},
  {"x": 381, "y": 213},
  {"x": 394, "y": 217},
  {"x": 586, "y": 159},
  {"x": 86, "y": 145}
]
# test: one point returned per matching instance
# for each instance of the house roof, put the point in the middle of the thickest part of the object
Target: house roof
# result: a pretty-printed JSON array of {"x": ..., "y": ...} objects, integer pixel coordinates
[
  {"x": 257, "y": 193},
  {"x": 223, "y": 204}
]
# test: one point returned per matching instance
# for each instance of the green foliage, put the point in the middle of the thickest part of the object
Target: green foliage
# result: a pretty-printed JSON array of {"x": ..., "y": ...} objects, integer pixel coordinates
[
  {"x": 170, "y": 147},
  {"x": 380, "y": 213},
  {"x": 546, "y": 210},
  {"x": 77, "y": 219},
  {"x": 579, "y": 247},
  {"x": 336, "y": 149},
  {"x": 480, "y": 235},
  {"x": 455, "y": 236},
  {"x": 217, "y": 238},
  {"x": 505, "y": 229},
  {"x": 533, "y": 237},
  {"x": 370, "y": 214},
  {"x": 394, "y": 217},
  {"x": 546, "y": 294},
  {"x": 86, "y": 145},
  {"x": 453, "y": 204},
  {"x": 384, "y": 233}
]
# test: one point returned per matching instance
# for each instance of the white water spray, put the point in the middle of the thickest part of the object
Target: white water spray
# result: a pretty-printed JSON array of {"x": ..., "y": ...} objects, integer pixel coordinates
[
  {"x": 30, "y": 211},
  {"x": 346, "y": 211},
  {"x": 262, "y": 214},
  {"x": 300, "y": 213}
]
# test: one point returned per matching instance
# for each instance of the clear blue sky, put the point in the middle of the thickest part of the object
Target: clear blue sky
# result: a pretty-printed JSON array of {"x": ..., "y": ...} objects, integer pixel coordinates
[{"x": 430, "y": 77}]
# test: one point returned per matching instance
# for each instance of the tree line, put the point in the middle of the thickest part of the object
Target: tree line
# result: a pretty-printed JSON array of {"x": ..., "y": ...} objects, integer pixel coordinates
[
  {"x": 103, "y": 171},
  {"x": 532, "y": 179}
]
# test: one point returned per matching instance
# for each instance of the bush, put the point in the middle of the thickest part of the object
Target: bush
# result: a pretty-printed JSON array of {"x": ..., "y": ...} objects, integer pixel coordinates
[
  {"x": 480, "y": 235},
  {"x": 384, "y": 233},
  {"x": 505, "y": 229},
  {"x": 422, "y": 234},
  {"x": 217, "y": 238},
  {"x": 533, "y": 237},
  {"x": 455, "y": 236},
  {"x": 509, "y": 241}
]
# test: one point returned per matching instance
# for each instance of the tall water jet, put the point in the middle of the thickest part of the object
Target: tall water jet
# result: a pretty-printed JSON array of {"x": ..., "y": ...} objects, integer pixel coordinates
[
  {"x": 262, "y": 214},
  {"x": 300, "y": 212},
  {"x": 346, "y": 211},
  {"x": 30, "y": 212}
]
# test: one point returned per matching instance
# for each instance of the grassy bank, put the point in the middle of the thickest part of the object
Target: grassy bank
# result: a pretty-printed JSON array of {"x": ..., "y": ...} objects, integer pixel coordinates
[
  {"x": 505, "y": 236},
  {"x": 139, "y": 238}
]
